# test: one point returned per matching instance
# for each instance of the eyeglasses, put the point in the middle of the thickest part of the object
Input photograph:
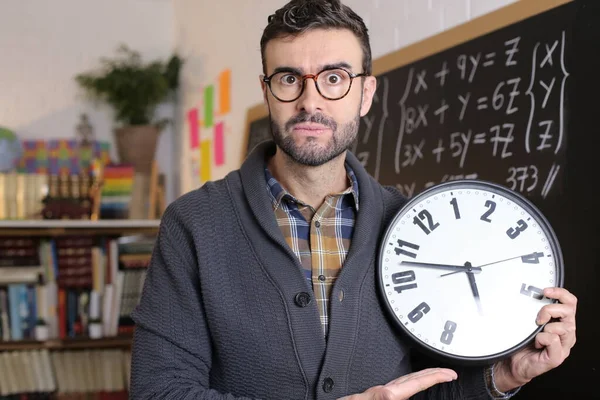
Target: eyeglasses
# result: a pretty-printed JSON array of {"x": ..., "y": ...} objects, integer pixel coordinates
[{"x": 332, "y": 84}]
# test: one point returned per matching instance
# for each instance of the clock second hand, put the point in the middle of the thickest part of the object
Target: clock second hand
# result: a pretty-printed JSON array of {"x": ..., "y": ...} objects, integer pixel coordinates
[{"x": 485, "y": 265}]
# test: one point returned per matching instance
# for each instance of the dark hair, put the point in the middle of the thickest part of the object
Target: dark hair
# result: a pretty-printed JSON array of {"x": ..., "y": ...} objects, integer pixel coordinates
[{"x": 299, "y": 16}]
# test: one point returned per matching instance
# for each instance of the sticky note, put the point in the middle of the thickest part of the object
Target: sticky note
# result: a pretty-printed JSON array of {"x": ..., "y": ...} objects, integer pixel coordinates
[
  {"x": 194, "y": 131},
  {"x": 205, "y": 161},
  {"x": 219, "y": 143},
  {"x": 208, "y": 106},
  {"x": 225, "y": 92}
]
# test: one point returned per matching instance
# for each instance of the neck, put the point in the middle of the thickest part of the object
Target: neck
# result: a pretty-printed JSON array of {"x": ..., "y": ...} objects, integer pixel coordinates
[{"x": 311, "y": 185}]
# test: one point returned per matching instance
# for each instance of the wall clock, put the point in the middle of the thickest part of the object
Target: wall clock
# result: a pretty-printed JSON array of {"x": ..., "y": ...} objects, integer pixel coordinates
[{"x": 462, "y": 267}]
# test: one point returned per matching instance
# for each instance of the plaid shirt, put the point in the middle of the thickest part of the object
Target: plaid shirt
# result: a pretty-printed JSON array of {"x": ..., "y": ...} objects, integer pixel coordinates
[{"x": 319, "y": 238}]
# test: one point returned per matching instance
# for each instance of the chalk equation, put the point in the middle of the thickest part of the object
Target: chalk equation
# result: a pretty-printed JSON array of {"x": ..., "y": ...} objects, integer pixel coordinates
[{"x": 495, "y": 114}]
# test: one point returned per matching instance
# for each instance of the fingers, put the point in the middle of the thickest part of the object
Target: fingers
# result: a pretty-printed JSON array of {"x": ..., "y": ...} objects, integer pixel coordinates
[
  {"x": 428, "y": 371},
  {"x": 558, "y": 311},
  {"x": 565, "y": 331},
  {"x": 562, "y": 295},
  {"x": 552, "y": 346},
  {"x": 565, "y": 309},
  {"x": 554, "y": 343},
  {"x": 556, "y": 329},
  {"x": 408, "y": 385}
]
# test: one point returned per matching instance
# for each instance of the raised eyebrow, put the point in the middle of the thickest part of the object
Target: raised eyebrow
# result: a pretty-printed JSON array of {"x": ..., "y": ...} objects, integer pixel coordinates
[
  {"x": 298, "y": 71},
  {"x": 288, "y": 69},
  {"x": 341, "y": 64}
]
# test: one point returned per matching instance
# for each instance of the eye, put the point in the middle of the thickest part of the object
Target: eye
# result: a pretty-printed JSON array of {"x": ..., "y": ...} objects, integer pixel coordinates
[
  {"x": 289, "y": 79},
  {"x": 334, "y": 78}
]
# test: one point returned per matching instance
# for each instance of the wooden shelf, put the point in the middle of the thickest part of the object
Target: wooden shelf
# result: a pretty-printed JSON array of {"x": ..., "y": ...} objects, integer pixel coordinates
[
  {"x": 78, "y": 227},
  {"x": 68, "y": 344}
]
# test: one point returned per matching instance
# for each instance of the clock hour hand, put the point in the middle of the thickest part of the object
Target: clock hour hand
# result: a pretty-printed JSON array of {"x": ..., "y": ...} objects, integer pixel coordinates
[
  {"x": 475, "y": 291},
  {"x": 456, "y": 268}
]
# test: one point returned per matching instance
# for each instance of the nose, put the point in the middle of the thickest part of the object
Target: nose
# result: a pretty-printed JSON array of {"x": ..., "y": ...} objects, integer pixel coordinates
[{"x": 310, "y": 100}]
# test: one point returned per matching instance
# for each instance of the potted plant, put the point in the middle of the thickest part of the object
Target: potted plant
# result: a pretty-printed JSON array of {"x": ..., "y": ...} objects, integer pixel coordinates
[{"x": 134, "y": 89}]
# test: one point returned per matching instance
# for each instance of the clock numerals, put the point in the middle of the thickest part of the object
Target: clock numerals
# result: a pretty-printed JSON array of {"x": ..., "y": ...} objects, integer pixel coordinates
[
  {"x": 419, "y": 221},
  {"x": 492, "y": 207},
  {"x": 418, "y": 312},
  {"x": 513, "y": 233},
  {"x": 404, "y": 277},
  {"x": 454, "y": 203},
  {"x": 400, "y": 250},
  {"x": 448, "y": 333},
  {"x": 533, "y": 258},
  {"x": 532, "y": 291}
]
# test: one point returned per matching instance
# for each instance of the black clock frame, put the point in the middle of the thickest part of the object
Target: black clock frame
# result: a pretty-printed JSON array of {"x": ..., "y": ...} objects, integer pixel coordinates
[{"x": 464, "y": 184}]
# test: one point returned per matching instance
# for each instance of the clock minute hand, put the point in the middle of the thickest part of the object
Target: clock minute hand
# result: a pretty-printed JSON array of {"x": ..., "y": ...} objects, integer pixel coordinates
[{"x": 456, "y": 268}]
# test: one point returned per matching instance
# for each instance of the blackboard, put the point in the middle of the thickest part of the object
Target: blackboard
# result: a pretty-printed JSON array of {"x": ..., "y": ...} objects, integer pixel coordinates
[
  {"x": 493, "y": 108},
  {"x": 258, "y": 128},
  {"x": 509, "y": 98}
]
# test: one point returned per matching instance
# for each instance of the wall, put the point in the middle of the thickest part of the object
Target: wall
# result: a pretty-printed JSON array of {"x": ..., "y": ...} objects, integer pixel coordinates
[
  {"x": 226, "y": 34},
  {"x": 44, "y": 44}
]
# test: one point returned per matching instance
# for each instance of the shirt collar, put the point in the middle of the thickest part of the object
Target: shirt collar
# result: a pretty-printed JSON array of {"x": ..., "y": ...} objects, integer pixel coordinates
[{"x": 278, "y": 194}]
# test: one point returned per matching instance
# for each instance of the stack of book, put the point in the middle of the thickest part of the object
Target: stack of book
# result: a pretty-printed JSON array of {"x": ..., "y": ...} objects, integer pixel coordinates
[
  {"x": 21, "y": 195},
  {"x": 66, "y": 284},
  {"x": 65, "y": 375},
  {"x": 117, "y": 188}
]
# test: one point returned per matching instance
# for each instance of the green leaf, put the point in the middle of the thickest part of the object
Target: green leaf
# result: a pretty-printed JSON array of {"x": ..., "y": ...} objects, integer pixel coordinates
[{"x": 132, "y": 87}]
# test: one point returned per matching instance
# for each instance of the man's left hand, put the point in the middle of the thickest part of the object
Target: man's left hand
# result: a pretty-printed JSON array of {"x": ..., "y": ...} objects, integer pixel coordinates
[{"x": 552, "y": 345}]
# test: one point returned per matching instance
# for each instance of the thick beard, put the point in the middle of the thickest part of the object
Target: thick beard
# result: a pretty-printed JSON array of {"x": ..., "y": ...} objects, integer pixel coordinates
[{"x": 311, "y": 153}]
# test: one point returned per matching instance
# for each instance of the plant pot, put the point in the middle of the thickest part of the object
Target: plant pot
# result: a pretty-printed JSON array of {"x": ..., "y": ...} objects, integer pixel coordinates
[{"x": 136, "y": 145}]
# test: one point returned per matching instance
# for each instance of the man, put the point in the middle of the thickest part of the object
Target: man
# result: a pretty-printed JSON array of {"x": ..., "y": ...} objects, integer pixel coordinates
[{"x": 262, "y": 284}]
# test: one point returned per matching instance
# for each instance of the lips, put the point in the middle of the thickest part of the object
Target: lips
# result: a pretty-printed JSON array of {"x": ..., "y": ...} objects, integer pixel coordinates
[{"x": 310, "y": 128}]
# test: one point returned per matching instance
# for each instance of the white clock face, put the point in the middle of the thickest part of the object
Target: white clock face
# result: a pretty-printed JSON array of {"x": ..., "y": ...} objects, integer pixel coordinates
[{"x": 463, "y": 266}]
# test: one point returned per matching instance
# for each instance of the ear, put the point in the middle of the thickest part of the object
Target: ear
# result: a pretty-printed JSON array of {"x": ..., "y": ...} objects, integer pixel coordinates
[
  {"x": 263, "y": 87},
  {"x": 369, "y": 88}
]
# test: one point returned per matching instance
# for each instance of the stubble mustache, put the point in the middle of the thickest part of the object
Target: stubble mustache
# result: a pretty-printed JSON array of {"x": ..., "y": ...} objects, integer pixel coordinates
[{"x": 303, "y": 116}]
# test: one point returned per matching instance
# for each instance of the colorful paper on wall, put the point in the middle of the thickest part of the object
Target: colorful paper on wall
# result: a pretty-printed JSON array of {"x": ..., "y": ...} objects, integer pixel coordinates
[
  {"x": 219, "y": 144},
  {"x": 207, "y": 146},
  {"x": 224, "y": 92},
  {"x": 205, "y": 161},
  {"x": 208, "y": 106},
  {"x": 194, "y": 131}
]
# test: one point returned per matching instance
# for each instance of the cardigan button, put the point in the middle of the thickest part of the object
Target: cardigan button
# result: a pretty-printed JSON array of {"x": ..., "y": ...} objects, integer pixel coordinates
[
  {"x": 302, "y": 299},
  {"x": 328, "y": 385}
]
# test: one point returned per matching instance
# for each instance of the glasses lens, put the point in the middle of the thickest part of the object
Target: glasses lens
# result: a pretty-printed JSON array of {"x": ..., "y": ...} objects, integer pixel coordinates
[
  {"x": 286, "y": 86},
  {"x": 334, "y": 83}
]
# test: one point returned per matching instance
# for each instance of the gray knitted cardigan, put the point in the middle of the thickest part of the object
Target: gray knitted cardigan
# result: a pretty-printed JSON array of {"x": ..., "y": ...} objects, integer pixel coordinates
[{"x": 226, "y": 312}]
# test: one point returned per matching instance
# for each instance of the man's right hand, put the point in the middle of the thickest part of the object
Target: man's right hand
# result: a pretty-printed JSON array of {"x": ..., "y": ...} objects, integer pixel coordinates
[{"x": 406, "y": 386}]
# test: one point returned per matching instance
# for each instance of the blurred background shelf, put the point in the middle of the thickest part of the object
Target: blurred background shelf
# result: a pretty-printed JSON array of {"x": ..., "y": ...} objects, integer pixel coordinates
[
  {"x": 68, "y": 227},
  {"x": 118, "y": 342}
]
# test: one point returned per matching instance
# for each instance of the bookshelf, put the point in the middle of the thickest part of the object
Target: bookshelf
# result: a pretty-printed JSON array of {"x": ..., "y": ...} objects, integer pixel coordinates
[
  {"x": 123, "y": 342},
  {"x": 84, "y": 227},
  {"x": 72, "y": 357}
]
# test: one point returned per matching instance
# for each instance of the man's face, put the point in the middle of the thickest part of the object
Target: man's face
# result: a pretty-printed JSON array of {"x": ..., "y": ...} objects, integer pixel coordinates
[{"x": 313, "y": 130}]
